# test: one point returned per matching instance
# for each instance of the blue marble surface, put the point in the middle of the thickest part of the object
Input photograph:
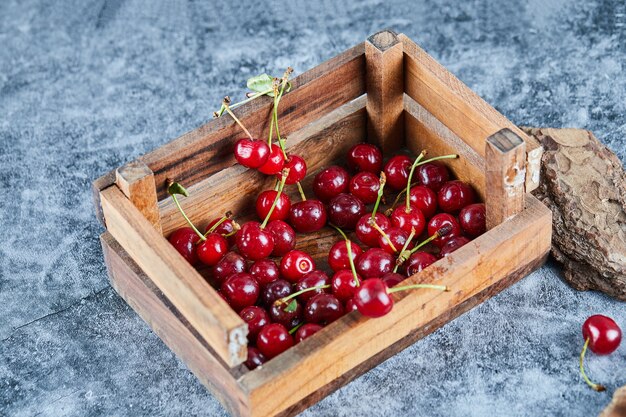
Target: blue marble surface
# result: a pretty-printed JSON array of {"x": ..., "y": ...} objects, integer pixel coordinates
[{"x": 87, "y": 85}]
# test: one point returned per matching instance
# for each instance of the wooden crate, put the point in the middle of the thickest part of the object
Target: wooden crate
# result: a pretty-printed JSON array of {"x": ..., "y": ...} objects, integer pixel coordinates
[{"x": 387, "y": 91}]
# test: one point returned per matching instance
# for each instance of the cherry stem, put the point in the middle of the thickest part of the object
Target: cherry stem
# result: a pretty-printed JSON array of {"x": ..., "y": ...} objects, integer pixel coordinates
[
  {"x": 225, "y": 217},
  {"x": 226, "y": 103},
  {"x": 301, "y": 191},
  {"x": 173, "y": 195},
  {"x": 400, "y": 260},
  {"x": 280, "y": 191},
  {"x": 236, "y": 228},
  {"x": 383, "y": 180},
  {"x": 595, "y": 387},
  {"x": 349, "y": 249},
  {"x": 295, "y": 329},
  {"x": 415, "y": 286},
  {"x": 393, "y": 205},
  {"x": 241, "y": 103},
  {"x": 383, "y": 234},
  {"x": 404, "y": 255},
  {"x": 408, "y": 183},
  {"x": 297, "y": 293},
  {"x": 277, "y": 96}
]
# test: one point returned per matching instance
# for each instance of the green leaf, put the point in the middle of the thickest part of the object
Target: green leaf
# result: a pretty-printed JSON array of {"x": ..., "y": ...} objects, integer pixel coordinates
[
  {"x": 293, "y": 305},
  {"x": 176, "y": 188},
  {"x": 261, "y": 84}
]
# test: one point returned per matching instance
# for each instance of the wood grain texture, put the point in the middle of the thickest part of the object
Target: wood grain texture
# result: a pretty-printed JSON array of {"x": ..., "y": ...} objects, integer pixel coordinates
[
  {"x": 136, "y": 181},
  {"x": 97, "y": 186},
  {"x": 208, "y": 149},
  {"x": 505, "y": 162},
  {"x": 180, "y": 282},
  {"x": 385, "y": 88},
  {"x": 459, "y": 108},
  {"x": 617, "y": 407}
]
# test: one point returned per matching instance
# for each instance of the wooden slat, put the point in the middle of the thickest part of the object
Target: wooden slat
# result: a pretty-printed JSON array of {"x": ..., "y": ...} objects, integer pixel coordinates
[
  {"x": 171, "y": 326},
  {"x": 136, "y": 181},
  {"x": 236, "y": 188},
  {"x": 218, "y": 324},
  {"x": 385, "y": 87},
  {"x": 459, "y": 108},
  {"x": 208, "y": 149},
  {"x": 505, "y": 156},
  {"x": 352, "y": 340},
  {"x": 425, "y": 131},
  {"x": 97, "y": 186}
]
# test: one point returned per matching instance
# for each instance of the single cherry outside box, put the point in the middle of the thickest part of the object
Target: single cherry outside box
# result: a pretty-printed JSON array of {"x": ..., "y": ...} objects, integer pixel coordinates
[{"x": 386, "y": 91}]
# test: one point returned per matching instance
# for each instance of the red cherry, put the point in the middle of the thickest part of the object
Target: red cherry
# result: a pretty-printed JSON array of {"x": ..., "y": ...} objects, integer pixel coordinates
[
  {"x": 273, "y": 340},
  {"x": 297, "y": 169},
  {"x": 365, "y": 157},
  {"x": 264, "y": 271},
  {"x": 307, "y": 216},
  {"x": 256, "y": 318},
  {"x": 366, "y": 233},
  {"x": 374, "y": 262},
  {"x": 343, "y": 284},
  {"x": 313, "y": 279},
  {"x": 365, "y": 186},
  {"x": 241, "y": 290},
  {"x": 275, "y": 162},
  {"x": 338, "y": 255},
  {"x": 307, "y": 330},
  {"x": 287, "y": 317},
  {"x": 211, "y": 250},
  {"x": 350, "y": 306},
  {"x": 372, "y": 299},
  {"x": 251, "y": 153},
  {"x": 232, "y": 263},
  {"x": 452, "y": 244},
  {"x": 391, "y": 279},
  {"x": 264, "y": 203},
  {"x": 472, "y": 219},
  {"x": 418, "y": 261},
  {"x": 296, "y": 264},
  {"x": 227, "y": 227},
  {"x": 274, "y": 291},
  {"x": 255, "y": 358},
  {"x": 330, "y": 182},
  {"x": 323, "y": 309},
  {"x": 398, "y": 238},
  {"x": 397, "y": 171},
  {"x": 454, "y": 195},
  {"x": 424, "y": 199},
  {"x": 413, "y": 219},
  {"x": 440, "y": 220},
  {"x": 603, "y": 333},
  {"x": 284, "y": 237},
  {"x": 184, "y": 241},
  {"x": 254, "y": 242},
  {"x": 432, "y": 175},
  {"x": 345, "y": 210}
]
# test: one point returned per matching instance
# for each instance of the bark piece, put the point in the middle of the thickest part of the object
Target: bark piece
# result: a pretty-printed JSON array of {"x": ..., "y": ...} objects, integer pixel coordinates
[{"x": 617, "y": 407}]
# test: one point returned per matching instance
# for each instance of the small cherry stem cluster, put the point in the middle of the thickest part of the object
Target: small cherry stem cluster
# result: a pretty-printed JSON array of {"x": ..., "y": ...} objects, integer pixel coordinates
[
  {"x": 405, "y": 254},
  {"x": 404, "y": 250}
]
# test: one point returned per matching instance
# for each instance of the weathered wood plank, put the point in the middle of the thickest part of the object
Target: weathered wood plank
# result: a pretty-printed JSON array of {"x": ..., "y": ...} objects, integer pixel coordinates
[{"x": 136, "y": 181}]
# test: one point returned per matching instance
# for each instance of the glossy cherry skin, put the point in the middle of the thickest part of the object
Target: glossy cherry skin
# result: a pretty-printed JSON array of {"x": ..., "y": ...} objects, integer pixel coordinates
[
  {"x": 264, "y": 203},
  {"x": 307, "y": 330},
  {"x": 345, "y": 210},
  {"x": 256, "y": 318},
  {"x": 338, "y": 255},
  {"x": 374, "y": 262},
  {"x": 391, "y": 279},
  {"x": 424, "y": 199},
  {"x": 184, "y": 241},
  {"x": 253, "y": 242},
  {"x": 323, "y": 309},
  {"x": 211, "y": 250},
  {"x": 331, "y": 182},
  {"x": 365, "y": 186},
  {"x": 307, "y": 216},
  {"x": 343, "y": 285},
  {"x": 397, "y": 171},
  {"x": 432, "y": 175},
  {"x": 264, "y": 271},
  {"x": 398, "y": 238},
  {"x": 241, "y": 290},
  {"x": 603, "y": 333},
  {"x": 418, "y": 261},
  {"x": 454, "y": 195},
  {"x": 440, "y": 220},
  {"x": 365, "y": 157},
  {"x": 452, "y": 244},
  {"x": 226, "y": 227},
  {"x": 251, "y": 153},
  {"x": 372, "y": 299},
  {"x": 313, "y": 279},
  {"x": 296, "y": 264},
  {"x": 408, "y": 220},
  {"x": 366, "y": 233},
  {"x": 232, "y": 263},
  {"x": 273, "y": 340},
  {"x": 349, "y": 306},
  {"x": 255, "y": 358},
  {"x": 297, "y": 169},
  {"x": 274, "y": 291},
  {"x": 284, "y": 237},
  {"x": 289, "y": 319},
  {"x": 275, "y": 161},
  {"x": 472, "y": 219}
]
